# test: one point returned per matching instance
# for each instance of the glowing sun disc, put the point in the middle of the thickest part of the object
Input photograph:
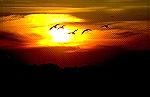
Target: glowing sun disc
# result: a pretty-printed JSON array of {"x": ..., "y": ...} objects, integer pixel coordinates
[{"x": 60, "y": 35}]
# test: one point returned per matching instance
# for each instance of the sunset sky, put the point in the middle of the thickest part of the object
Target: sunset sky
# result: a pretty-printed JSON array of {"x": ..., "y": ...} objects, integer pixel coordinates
[{"x": 24, "y": 27}]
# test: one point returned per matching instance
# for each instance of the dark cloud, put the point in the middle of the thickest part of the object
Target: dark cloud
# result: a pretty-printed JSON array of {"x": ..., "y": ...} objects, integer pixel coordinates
[
  {"x": 16, "y": 40},
  {"x": 78, "y": 3},
  {"x": 127, "y": 34},
  {"x": 11, "y": 37},
  {"x": 95, "y": 10},
  {"x": 11, "y": 18},
  {"x": 126, "y": 14}
]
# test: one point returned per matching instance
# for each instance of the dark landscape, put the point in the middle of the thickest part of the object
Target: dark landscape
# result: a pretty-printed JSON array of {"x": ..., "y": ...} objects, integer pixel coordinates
[
  {"x": 74, "y": 40},
  {"x": 126, "y": 66}
]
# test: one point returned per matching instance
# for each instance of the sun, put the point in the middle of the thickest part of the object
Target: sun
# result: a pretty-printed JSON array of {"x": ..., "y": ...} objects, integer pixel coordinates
[
  {"x": 60, "y": 35},
  {"x": 56, "y": 36}
]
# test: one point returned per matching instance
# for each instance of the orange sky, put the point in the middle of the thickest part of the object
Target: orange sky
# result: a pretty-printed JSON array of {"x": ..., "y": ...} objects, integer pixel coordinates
[
  {"x": 23, "y": 27},
  {"x": 33, "y": 31}
]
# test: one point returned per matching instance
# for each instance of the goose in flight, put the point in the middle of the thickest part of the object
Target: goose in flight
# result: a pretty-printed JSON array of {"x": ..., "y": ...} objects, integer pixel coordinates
[
  {"x": 106, "y": 26},
  {"x": 62, "y": 27},
  {"x": 55, "y": 26},
  {"x": 86, "y": 30},
  {"x": 73, "y": 32}
]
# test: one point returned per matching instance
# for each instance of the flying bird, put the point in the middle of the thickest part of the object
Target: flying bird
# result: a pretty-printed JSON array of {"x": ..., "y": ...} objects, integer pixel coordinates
[
  {"x": 62, "y": 27},
  {"x": 55, "y": 26},
  {"x": 86, "y": 30},
  {"x": 73, "y": 32},
  {"x": 106, "y": 26}
]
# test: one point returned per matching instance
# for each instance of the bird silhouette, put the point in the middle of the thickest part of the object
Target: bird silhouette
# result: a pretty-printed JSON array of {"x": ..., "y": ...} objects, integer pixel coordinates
[
  {"x": 73, "y": 32},
  {"x": 106, "y": 26},
  {"x": 55, "y": 26},
  {"x": 86, "y": 30},
  {"x": 62, "y": 27}
]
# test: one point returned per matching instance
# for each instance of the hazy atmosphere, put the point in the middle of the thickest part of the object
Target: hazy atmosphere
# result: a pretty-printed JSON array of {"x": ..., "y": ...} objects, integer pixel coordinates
[{"x": 115, "y": 26}]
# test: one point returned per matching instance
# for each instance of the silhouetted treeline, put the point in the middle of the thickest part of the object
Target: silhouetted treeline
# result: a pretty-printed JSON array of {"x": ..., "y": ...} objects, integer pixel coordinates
[{"x": 128, "y": 65}]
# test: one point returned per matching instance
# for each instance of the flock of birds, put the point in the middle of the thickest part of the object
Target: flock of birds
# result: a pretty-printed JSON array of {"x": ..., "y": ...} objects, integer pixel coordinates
[{"x": 86, "y": 30}]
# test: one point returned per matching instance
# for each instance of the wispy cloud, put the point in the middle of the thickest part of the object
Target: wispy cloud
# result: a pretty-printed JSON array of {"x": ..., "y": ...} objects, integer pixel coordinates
[
  {"x": 115, "y": 9},
  {"x": 49, "y": 10},
  {"x": 11, "y": 37},
  {"x": 66, "y": 3},
  {"x": 11, "y": 18},
  {"x": 16, "y": 39}
]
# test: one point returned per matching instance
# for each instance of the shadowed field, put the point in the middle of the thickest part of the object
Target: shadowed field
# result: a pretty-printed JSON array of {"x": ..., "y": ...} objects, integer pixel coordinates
[{"x": 130, "y": 65}]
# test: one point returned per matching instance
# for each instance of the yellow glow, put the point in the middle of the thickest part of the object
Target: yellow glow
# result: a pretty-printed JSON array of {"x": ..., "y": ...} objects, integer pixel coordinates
[
  {"x": 47, "y": 19},
  {"x": 60, "y": 35},
  {"x": 55, "y": 36},
  {"x": 35, "y": 28}
]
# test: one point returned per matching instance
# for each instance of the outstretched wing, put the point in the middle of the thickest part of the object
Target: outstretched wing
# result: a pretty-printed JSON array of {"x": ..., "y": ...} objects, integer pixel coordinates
[
  {"x": 89, "y": 30},
  {"x": 51, "y": 28},
  {"x": 83, "y": 32},
  {"x": 56, "y": 25}
]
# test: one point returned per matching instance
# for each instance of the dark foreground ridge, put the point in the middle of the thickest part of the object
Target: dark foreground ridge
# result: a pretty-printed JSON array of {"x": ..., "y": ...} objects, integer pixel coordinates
[{"x": 128, "y": 65}]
